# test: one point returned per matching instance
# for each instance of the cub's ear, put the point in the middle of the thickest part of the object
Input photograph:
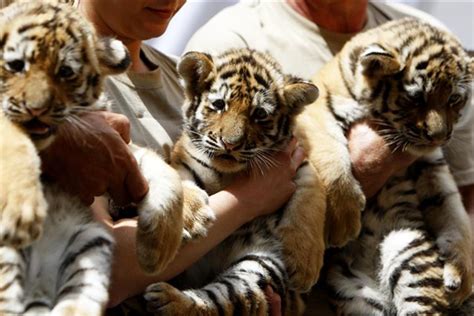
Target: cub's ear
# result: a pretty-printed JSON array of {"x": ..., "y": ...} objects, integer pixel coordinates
[
  {"x": 197, "y": 70},
  {"x": 378, "y": 61},
  {"x": 112, "y": 55},
  {"x": 299, "y": 93}
]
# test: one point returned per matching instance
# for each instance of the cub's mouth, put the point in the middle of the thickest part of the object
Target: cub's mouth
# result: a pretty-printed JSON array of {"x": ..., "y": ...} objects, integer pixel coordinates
[
  {"x": 227, "y": 157},
  {"x": 38, "y": 129}
]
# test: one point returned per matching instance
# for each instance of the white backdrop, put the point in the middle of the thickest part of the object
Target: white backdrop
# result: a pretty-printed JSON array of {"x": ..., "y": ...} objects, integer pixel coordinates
[{"x": 457, "y": 15}]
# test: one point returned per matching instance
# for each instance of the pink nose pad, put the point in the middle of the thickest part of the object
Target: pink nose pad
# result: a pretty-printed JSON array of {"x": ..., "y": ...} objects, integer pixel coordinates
[
  {"x": 230, "y": 146},
  {"x": 37, "y": 112}
]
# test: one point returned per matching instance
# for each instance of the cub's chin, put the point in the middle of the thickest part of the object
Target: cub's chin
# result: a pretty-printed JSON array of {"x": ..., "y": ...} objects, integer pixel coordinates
[
  {"x": 42, "y": 144},
  {"x": 227, "y": 163},
  {"x": 42, "y": 134},
  {"x": 421, "y": 150}
]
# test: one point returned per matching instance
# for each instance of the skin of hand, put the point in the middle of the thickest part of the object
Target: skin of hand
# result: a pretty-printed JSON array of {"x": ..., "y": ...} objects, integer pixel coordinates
[
  {"x": 233, "y": 207},
  {"x": 373, "y": 162},
  {"x": 92, "y": 157}
]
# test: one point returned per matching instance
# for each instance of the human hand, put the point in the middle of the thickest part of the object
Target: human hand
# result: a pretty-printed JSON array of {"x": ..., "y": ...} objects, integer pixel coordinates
[
  {"x": 273, "y": 300},
  {"x": 373, "y": 162},
  {"x": 265, "y": 193},
  {"x": 91, "y": 158}
]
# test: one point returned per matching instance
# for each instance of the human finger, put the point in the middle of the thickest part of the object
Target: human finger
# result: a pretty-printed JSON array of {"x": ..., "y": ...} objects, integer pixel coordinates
[
  {"x": 136, "y": 184},
  {"x": 273, "y": 300},
  {"x": 120, "y": 123},
  {"x": 297, "y": 157},
  {"x": 100, "y": 211},
  {"x": 291, "y": 146}
]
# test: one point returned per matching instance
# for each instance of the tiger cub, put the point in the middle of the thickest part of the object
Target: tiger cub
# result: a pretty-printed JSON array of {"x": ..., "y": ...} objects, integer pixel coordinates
[
  {"x": 413, "y": 255},
  {"x": 52, "y": 68},
  {"x": 240, "y": 109}
]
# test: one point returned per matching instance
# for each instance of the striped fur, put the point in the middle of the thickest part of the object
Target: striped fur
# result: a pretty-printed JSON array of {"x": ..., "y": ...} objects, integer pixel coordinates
[
  {"x": 413, "y": 255},
  {"x": 64, "y": 272},
  {"x": 240, "y": 110},
  {"x": 52, "y": 67}
]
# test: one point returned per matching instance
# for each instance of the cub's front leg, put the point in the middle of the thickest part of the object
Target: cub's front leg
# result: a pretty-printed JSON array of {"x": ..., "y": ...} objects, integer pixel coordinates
[
  {"x": 446, "y": 216},
  {"x": 160, "y": 213},
  {"x": 22, "y": 203},
  {"x": 326, "y": 144},
  {"x": 301, "y": 230}
]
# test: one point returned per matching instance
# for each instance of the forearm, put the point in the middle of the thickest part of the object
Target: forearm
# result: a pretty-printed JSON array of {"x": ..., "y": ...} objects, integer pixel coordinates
[{"x": 128, "y": 279}]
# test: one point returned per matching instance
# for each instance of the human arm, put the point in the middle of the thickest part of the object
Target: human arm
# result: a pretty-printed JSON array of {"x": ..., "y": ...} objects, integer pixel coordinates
[
  {"x": 245, "y": 199},
  {"x": 91, "y": 157}
]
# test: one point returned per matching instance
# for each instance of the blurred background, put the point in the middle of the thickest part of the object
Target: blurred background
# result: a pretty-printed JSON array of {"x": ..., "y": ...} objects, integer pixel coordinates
[{"x": 458, "y": 16}]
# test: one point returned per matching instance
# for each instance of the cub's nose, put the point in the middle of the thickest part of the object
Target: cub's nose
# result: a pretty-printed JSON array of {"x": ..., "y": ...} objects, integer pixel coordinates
[
  {"x": 36, "y": 112},
  {"x": 231, "y": 144}
]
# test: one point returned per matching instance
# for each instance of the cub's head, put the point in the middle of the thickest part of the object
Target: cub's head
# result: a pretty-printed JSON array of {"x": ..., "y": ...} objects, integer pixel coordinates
[
  {"x": 416, "y": 78},
  {"x": 240, "y": 107},
  {"x": 52, "y": 65}
]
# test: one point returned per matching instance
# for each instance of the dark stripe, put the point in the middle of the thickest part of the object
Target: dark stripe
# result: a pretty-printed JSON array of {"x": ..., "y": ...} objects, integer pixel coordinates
[
  {"x": 36, "y": 304},
  {"x": 79, "y": 271},
  {"x": 213, "y": 298},
  {"x": 72, "y": 35},
  {"x": 261, "y": 81},
  {"x": 432, "y": 201},
  {"x": 342, "y": 121},
  {"x": 405, "y": 204},
  {"x": 79, "y": 288},
  {"x": 373, "y": 303},
  {"x": 95, "y": 243},
  {"x": 17, "y": 278},
  {"x": 196, "y": 177},
  {"x": 228, "y": 74},
  {"x": 236, "y": 299},
  {"x": 424, "y": 300},
  {"x": 346, "y": 84},
  {"x": 27, "y": 27},
  {"x": 7, "y": 267},
  {"x": 421, "y": 268},
  {"x": 396, "y": 274},
  {"x": 202, "y": 163},
  {"x": 354, "y": 58},
  {"x": 422, "y": 65},
  {"x": 376, "y": 91},
  {"x": 281, "y": 288},
  {"x": 427, "y": 282}
]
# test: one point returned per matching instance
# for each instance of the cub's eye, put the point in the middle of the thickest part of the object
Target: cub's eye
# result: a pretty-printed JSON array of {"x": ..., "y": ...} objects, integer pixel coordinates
[
  {"x": 65, "y": 72},
  {"x": 260, "y": 114},
  {"x": 454, "y": 98},
  {"x": 218, "y": 104},
  {"x": 16, "y": 65}
]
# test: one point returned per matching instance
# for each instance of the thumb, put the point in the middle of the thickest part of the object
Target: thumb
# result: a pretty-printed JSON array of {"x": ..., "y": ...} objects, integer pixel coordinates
[{"x": 136, "y": 185}]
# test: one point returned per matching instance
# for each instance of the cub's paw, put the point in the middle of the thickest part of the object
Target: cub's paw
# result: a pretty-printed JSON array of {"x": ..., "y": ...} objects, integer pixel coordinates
[
  {"x": 76, "y": 308},
  {"x": 22, "y": 216},
  {"x": 198, "y": 216},
  {"x": 457, "y": 272},
  {"x": 164, "y": 299},
  {"x": 345, "y": 201},
  {"x": 304, "y": 259},
  {"x": 159, "y": 231}
]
